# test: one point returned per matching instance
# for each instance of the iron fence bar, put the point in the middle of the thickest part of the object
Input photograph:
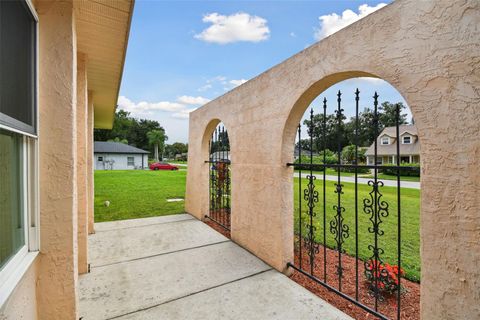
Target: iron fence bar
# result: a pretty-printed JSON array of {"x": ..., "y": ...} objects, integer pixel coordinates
[
  {"x": 324, "y": 191},
  {"x": 299, "y": 196},
  {"x": 210, "y": 180},
  {"x": 343, "y": 295},
  {"x": 375, "y": 189},
  {"x": 320, "y": 166},
  {"x": 357, "y": 98},
  {"x": 215, "y": 157},
  {"x": 310, "y": 205},
  {"x": 399, "y": 238},
  {"x": 339, "y": 208},
  {"x": 218, "y": 223},
  {"x": 222, "y": 173}
]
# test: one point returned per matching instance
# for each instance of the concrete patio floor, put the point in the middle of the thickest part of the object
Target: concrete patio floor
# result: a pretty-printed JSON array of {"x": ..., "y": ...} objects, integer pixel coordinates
[{"x": 176, "y": 267}]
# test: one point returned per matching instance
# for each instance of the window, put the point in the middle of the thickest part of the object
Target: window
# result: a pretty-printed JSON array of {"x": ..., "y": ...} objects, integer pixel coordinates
[
  {"x": 130, "y": 161},
  {"x": 12, "y": 222},
  {"x": 18, "y": 142},
  {"x": 18, "y": 65},
  {"x": 100, "y": 159},
  {"x": 385, "y": 140},
  {"x": 407, "y": 140}
]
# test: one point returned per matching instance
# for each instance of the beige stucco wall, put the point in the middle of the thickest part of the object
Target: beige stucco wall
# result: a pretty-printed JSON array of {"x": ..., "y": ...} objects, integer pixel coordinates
[
  {"x": 58, "y": 268},
  {"x": 90, "y": 170},
  {"x": 82, "y": 155},
  {"x": 22, "y": 303},
  {"x": 428, "y": 50}
]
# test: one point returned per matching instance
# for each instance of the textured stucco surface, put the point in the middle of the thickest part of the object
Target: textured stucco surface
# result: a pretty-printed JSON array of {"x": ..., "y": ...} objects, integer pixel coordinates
[
  {"x": 82, "y": 187},
  {"x": 22, "y": 303},
  {"x": 58, "y": 271},
  {"x": 428, "y": 50},
  {"x": 90, "y": 166}
]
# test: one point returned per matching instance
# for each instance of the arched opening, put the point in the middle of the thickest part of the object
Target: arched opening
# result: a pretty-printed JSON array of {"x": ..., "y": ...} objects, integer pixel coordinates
[
  {"x": 219, "y": 178},
  {"x": 356, "y": 158}
]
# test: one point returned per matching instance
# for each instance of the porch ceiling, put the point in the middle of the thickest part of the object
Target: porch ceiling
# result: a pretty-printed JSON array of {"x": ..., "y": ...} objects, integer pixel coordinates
[{"x": 102, "y": 35}]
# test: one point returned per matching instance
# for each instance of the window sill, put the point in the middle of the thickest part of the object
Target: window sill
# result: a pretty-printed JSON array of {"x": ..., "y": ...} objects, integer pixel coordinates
[{"x": 13, "y": 280}]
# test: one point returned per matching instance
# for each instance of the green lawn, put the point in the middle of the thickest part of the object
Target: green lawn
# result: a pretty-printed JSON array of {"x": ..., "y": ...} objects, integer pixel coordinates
[
  {"x": 410, "y": 215},
  {"x": 138, "y": 194}
]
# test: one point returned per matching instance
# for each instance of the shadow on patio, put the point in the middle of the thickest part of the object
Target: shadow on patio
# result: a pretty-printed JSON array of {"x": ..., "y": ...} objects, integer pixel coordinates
[{"x": 176, "y": 267}]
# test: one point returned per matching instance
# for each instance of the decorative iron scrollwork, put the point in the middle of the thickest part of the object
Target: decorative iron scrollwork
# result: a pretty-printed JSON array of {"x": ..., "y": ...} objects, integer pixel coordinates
[
  {"x": 375, "y": 270},
  {"x": 310, "y": 195}
]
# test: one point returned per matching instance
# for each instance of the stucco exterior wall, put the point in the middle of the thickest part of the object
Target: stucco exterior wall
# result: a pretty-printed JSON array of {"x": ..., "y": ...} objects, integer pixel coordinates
[
  {"x": 82, "y": 155},
  {"x": 428, "y": 50},
  {"x": 90, "y": 165},
  {"x": 57, "y": 268},
  {"x": 121, "y": 161},
  {"x": 22, "y": 303}
]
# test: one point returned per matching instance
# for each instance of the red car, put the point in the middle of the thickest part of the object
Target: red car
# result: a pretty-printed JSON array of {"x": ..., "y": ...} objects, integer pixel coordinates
[{"x": 162, "y": 166}]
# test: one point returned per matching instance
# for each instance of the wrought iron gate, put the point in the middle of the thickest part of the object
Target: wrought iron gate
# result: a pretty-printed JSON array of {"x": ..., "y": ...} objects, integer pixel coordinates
[
  {"x": 323, "y": 231},
  {"x": 219, "y": 177}
]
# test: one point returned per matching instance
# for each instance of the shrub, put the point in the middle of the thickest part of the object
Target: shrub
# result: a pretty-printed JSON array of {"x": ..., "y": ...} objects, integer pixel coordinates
[
  {"x": 386, "y": 276},
  {"x": 352, "y": 170},
  {"x": 406, "y": 173}
]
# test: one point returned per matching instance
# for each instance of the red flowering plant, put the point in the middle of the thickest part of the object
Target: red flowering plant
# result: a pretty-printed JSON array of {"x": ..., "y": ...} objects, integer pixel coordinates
[{"x": 383, "y": 277}]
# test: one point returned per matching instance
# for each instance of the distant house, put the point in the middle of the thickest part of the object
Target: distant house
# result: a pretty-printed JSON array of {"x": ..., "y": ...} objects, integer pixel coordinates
[
  {"x": 305, "y": 153},
  {"x": 220, "y": 155},
  {"x": 387, "y": 146},
  {"x": 118, "y": 156}
]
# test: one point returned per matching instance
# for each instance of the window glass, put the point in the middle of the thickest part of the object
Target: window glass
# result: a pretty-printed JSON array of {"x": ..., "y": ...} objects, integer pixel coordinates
[
  {"x": 385, "y": 140},
  {"x": 406, "y": 140},
  {"x": 12, "y": 232},
  {"x": 130, "y": 161},
  {"x": 100, "y": 158},
  {"x": 17, "y": 65}
]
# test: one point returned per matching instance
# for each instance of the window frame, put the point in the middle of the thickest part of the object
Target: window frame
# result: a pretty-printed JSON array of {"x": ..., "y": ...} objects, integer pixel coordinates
[
  {"x": 12, "y": 124},
  {"x": 407, "y": 136},
  {"x": 13, "y": 271},
  {"x": 133, "y": 161},
  {"x": 383, "y": 139}
]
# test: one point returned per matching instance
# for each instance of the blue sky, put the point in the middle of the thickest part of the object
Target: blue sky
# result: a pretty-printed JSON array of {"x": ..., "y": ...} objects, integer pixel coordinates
[{"x": 182, "y": 54}]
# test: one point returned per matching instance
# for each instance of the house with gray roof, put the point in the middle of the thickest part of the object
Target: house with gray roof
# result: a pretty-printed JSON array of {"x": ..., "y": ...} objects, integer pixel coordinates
[
  {"x": 118, "y": 156},
  {"x": 387, "y": 146}
]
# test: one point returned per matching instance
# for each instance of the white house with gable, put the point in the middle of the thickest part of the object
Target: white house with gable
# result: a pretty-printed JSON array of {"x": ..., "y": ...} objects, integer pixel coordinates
[{"x": 118, "y": 156}]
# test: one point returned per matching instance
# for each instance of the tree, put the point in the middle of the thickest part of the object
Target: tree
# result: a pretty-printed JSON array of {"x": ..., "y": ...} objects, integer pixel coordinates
[
  {"x": 388, "y": 114},
  {"x": 348, "y": 154},
  {"x": 126, "y": 127},
  {"x": 117, "y": 139},
  {"x": 157, "y": 139}
]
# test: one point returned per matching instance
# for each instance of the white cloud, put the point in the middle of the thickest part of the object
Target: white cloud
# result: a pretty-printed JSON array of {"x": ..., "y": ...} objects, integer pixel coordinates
[
  {"x": 205, "y": 87},
  {"x": 293, "y": 35},
  {"x": 333, "y": 22},
  {"x": 144, "y": 107},
  {"x": 183, "y": 114},
  {"x": 234, "y": 28},
  {"x": 193, "y": 100},
  {"x": 238, "y": 82},
  {"x": 148, "y": 110}
]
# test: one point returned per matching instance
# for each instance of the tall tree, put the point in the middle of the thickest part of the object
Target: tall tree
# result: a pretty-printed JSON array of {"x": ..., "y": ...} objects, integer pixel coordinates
[
  {"x": 388, "y": 114},
  {"x": 126, "y": 127},
  {"x": 157, "y": 138}
]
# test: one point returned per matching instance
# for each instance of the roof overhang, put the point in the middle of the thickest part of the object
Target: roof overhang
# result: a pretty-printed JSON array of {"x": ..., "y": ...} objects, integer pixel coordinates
[{"x": 102, "y": 35}]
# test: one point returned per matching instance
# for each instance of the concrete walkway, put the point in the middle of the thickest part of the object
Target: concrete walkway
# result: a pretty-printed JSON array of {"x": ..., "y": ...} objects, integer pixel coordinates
[
  {"x": 176, "y": 267},
  {"x": 387, "y": 183}
]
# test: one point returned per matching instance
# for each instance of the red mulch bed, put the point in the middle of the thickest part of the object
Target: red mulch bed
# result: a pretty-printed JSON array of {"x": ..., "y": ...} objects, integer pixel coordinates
[
  {"x": 410, "y": 301},
  {"x": 221, "y": 216}
]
